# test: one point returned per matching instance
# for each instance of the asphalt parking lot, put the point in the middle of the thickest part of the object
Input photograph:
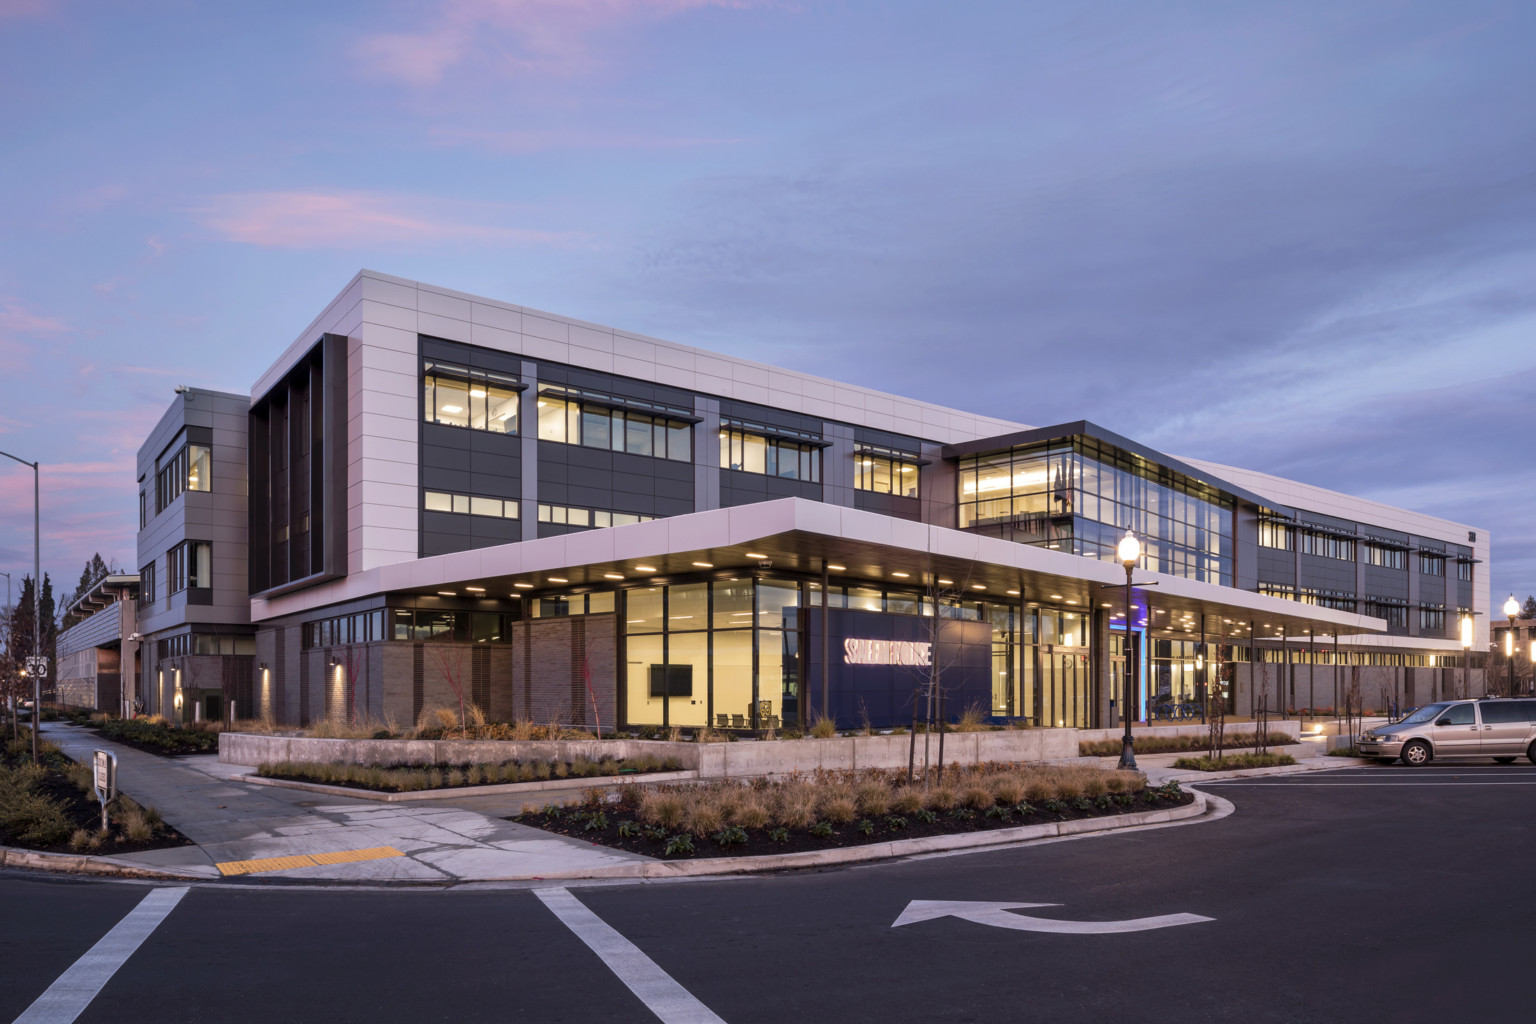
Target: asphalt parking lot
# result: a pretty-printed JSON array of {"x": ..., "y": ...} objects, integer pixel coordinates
[{"x": 1376, "y": 893}]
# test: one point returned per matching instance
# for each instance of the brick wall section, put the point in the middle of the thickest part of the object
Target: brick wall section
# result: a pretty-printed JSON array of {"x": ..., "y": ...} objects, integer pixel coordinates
[{"x": 551, "y": 662}]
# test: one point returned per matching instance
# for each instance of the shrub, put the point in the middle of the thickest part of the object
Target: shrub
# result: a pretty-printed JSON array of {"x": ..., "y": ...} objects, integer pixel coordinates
[
  {"x": 660, "y": 807},
  {"x": 941, "y": 798},
  {"x": 874, "y": 798},
  {"x": 907, "y": 800},
  {"x": 795, "y": 805},
  {"x": 970, "y": 719},
  {"x": 704, "y": 817},
  {"x": 1007, "y": 789},
  {"x": 778, "y": 834},
  {"x": 679, "y": 845},
  {"x": 730, "y": 835},
  {"x": 753, "y": 812},
  {"x": 822, "y": 830},
  {"x": 823, "y": 729},
  {"x": 839, "y": 808},
  {"x": 977, "y": 796},
  {"x": 1231, "y": 761}
]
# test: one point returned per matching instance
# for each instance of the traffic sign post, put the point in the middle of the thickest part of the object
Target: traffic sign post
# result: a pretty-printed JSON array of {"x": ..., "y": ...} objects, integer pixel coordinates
[{"x": 104, "y": 777}]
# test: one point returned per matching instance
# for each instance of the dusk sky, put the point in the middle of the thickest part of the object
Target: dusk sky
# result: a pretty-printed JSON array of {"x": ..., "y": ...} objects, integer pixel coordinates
[{"x": 1299, "y": 238}]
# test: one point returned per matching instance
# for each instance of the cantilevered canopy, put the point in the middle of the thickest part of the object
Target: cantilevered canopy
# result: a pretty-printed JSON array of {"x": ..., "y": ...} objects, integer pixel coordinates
[{"x": 795, "y": 535}]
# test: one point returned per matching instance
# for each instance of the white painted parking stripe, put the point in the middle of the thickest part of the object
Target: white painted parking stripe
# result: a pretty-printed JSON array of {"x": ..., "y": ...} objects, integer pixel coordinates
[
  {"x": 68, "y": 997},
  {"x": 654, "y": 987},
  {"x": 1344, "y": 785}
]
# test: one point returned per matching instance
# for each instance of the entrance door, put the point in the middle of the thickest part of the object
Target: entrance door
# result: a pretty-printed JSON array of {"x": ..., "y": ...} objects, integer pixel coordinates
[{"x": 1066, "y": 688}]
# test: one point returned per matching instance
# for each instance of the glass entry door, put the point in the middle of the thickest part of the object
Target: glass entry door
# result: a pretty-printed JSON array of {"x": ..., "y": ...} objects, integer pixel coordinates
[{"x": 1066, "y": 688}]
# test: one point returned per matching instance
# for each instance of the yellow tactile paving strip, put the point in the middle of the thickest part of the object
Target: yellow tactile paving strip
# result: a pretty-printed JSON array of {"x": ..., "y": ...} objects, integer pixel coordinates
[{"x": 305, "y": 860}]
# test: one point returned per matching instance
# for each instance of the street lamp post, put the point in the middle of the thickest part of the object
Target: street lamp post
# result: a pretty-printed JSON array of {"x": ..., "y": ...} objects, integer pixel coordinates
[
  {"x": 1129, "y": 551},
  {"x": 1512, "y": 609},
  {"x": 1466, "y": 655},
  {"x": 37, "y": 601}
]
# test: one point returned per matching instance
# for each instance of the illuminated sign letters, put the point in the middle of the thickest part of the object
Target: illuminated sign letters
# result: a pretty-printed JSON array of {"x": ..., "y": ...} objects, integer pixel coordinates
[{"x": 887, "y": 652}]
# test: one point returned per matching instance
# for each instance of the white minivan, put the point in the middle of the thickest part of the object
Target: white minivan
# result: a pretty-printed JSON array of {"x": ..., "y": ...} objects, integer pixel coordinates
[{"x": 1497, "y": 728}]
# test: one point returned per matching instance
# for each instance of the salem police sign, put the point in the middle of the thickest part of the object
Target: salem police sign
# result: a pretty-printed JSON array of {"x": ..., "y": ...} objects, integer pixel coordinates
[{"x": 887, "y": 652}]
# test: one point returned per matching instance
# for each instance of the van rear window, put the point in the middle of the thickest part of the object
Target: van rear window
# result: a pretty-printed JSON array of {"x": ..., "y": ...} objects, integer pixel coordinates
[{"x": 1507, "y": 712}]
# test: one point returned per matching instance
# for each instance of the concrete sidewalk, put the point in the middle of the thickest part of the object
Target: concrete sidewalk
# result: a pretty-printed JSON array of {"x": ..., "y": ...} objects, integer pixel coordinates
[{"x": 232, "y": 822}]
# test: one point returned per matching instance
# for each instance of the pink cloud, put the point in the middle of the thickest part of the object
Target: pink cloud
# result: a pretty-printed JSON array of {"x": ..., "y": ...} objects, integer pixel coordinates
[
  {"x": 535, "y": 141},
  {"x": 17, "y": 319},
  {"x": 16, "y": 9},
  {"x": 348, "y": 220},
  {"x": 549, "y": 37}
]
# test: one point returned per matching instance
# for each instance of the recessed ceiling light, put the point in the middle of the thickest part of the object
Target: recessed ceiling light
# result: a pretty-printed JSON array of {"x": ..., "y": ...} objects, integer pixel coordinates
[
  {"x": 705, "y": 565},
  {"x": 447, "y": 593},
  {"x": 946, "y": 583},
  {"x": 977, "y": 586},
  {"x": 1055, "y": 597},
  {"x": 1013, "y": 593},
  {"x": 1071, "y": 601},
  {"x": 1106, "y": 604},
  {"x": 645, "y": 568},
  {"x": 838, "y": 568},
  {"x": 900, "y": 575},
  {"x": 558, "y": 579},
  {"x": 523, "y": 586},
  {"x": 478, "y": 590},
  {"x": 754, "y": 554}
]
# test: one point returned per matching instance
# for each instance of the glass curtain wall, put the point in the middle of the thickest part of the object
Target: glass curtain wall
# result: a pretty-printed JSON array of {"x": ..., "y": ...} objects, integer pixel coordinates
[
  {"x": 1081, "y": 496},
  {"x": 723, "y": 653}
]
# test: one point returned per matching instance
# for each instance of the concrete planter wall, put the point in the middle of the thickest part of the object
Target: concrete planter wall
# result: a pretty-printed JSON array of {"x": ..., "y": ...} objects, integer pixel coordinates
[
  {"x": 711, "y": 760},
  {"x": 1291, "y": 727}
]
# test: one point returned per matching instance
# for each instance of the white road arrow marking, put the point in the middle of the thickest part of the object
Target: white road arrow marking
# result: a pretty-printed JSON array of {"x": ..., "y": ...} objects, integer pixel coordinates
[{"x": 997, "y": 916}]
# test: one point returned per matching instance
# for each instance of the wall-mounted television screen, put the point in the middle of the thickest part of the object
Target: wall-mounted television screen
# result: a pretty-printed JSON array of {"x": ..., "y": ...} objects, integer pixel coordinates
[{"x": 671, "y": 680}]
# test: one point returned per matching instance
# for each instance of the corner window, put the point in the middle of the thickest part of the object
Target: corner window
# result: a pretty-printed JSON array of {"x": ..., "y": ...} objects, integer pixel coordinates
[
  {"x": 189, "y": 564},
  {"x": 189, "y": 469},
  {"x": 455, "y": 396}
]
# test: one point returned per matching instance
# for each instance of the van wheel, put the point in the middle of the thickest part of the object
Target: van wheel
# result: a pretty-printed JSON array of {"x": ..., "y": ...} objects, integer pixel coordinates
[
  {"x": 1417, "y": 753},
  {"x": 1530, "y": 755},
  {"x": 1504, "y": 760}
]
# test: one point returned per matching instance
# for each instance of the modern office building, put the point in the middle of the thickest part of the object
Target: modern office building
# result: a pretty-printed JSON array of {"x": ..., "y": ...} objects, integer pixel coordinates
[
  {"x": 452, "y": 496},
  {"x": 194, "y": 609},
  {"x": 97, "y": 654}
]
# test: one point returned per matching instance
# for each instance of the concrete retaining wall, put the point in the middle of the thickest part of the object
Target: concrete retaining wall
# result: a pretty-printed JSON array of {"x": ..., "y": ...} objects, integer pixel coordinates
[
  {"x": 252, "y": 748},
  {"x": 1291, "y": 727}
]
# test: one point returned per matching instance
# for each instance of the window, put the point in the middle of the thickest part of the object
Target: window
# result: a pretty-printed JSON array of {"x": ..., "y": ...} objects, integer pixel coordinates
[
  {"x": 1386, "y": 557},
  {"x": 1432, "y": 618},
  {"x": 1457, "y": 714},
  {"x": 344, "y": 629},
  {"x": 1464, "y": 570},
  {"x": 1507, "y": 712},
  {"x": 1276, "y": 535},
  {"x": 189, "y": 565},
  {"x": 571, "y": 604},
  {"x": 143, "y": 509},
  {"x": 647, "y": 428},
  {"x": 1394, "y": 610},
  {"x": 146, "y": 584},
  {"x": 470, "y": 505},
  {"x": 1431, "y": 565},
  {"x": 1340, "y": 600},
  {"x": 568, "y": 515},
  {"x": 477, "y": 399},
  {"x": 748, "y": 452},
  {"x": 190, "y": 469},
  {"x": 1284, "y": 590},
  {"x": 1327, "y": 545},
  {"x": 885, "y": 474}
]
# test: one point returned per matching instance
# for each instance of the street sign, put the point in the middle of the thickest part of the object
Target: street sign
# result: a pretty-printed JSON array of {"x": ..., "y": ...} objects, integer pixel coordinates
[
  {"x": 997, "y": 915},
  {"x": 104, "y": 776},
  {"x": 37, "y": 665}
]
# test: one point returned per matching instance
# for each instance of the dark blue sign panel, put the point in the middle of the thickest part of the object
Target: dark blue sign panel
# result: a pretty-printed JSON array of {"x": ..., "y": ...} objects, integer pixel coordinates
[{"x": 879, "y": 660}]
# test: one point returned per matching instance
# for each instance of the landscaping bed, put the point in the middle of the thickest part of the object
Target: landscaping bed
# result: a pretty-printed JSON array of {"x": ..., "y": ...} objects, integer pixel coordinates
[
  {"x": 154, "y": 736},
  {"x": 1228, "y": 762},
  {"x": 418, "y": 778},
  {"x": 1151, "y": 743},
  {"x": 831, "y": 810},
  {"x": 50, "y": 807}
]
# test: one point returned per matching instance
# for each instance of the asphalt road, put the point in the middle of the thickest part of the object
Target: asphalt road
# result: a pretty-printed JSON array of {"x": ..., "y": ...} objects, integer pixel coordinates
[{"x": 1370, "y": 894}]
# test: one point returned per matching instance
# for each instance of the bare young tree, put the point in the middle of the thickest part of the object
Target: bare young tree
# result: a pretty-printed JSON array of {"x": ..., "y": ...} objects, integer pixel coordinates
[{"x": 450, "y": 662}]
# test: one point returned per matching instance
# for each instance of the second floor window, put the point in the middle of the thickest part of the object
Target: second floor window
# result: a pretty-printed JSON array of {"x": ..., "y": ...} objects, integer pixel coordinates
[
  {"x": 1432, "y": 619},
  {"x": 1327, "y": 545},
  {"x": 147, "y": 584},
  {"x": 747, "y": 452},
  {"x": 1386, "y": 557},
  {"x": 1432, "y": 565},
  {"x": 477, "y": 399},
  {"x": 190, "y": 564},
  {"x": 635, "y": 431},
  {"x": 1276, "y": 535},
  {"x": 190, "y": 469},
  {"x": 884, "y": 474}
]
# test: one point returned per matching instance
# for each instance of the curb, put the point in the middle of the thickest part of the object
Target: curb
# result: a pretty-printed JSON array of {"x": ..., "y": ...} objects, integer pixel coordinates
[
  {"x": 1188, "y": 777},
  {"x": 85, "y": 864},
  {"x": 875, "y": 851},
  {"x": 457, "y": 792}
]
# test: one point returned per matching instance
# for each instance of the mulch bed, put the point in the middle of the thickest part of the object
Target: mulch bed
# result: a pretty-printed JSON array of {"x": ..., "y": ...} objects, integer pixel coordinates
[
  {"x": 574, "y": 822},
  {"x": 168, "y": 735},
  {"x": 84, "y": 812}
]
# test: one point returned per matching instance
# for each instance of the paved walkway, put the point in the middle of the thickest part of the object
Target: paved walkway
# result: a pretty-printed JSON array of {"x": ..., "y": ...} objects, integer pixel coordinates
[{"x": 231, "y": 822}]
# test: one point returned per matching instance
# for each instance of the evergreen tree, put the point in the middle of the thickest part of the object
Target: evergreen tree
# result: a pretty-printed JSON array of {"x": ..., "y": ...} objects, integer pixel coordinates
[
  {"x": 96, "y": 569},
  {"x": 23, "y": 628},
  {"x": 1529, "y": 611}
]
